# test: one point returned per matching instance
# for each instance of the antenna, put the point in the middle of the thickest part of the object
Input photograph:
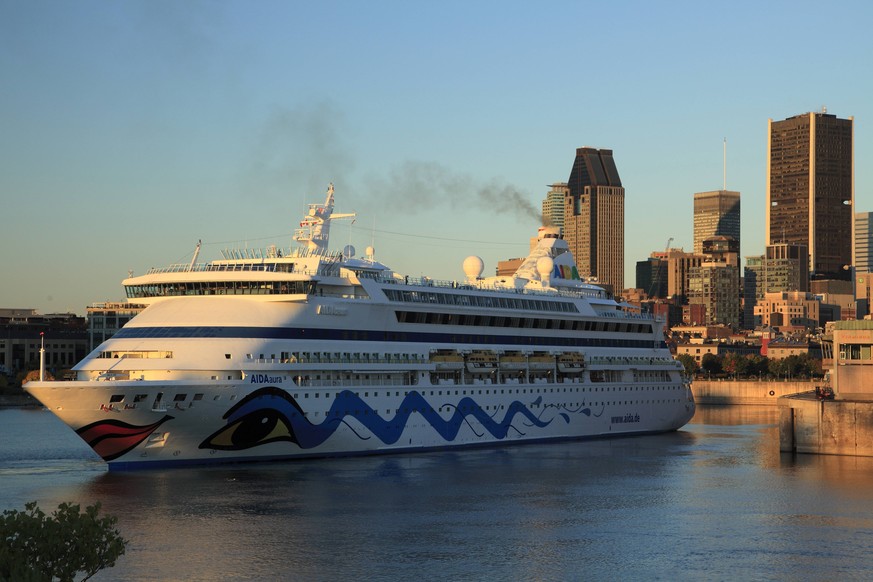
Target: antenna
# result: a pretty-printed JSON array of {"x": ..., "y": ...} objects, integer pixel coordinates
[{"x": 724, "y": 166}]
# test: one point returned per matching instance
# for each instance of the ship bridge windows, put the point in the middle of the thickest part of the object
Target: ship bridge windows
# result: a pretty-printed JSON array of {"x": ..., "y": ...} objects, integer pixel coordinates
[{"x": 220, "y": 288}]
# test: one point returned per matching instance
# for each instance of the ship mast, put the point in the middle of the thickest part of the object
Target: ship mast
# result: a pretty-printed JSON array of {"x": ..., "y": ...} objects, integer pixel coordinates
[{"x": 314, "y": 230}]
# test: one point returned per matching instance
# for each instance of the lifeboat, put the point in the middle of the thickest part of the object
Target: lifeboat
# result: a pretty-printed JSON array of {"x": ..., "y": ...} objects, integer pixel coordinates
[
  {"x": 571, "y": 363},
  {"x": 513, "y": 361},
  {"x": 447, "y": 360},
  {"x": 541, "y": 361},
  {"x": 481, "y": 362}
]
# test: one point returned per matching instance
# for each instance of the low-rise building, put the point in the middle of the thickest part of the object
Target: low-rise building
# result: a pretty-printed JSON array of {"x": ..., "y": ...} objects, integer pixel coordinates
[
  {"x": 788, "y": 309},
  {"x": 63, "y": 334},
  {"x": 777, "y": 350},
  {"x": 849, "y": 346},
  {"x": 105, "y": 319},
  {"x": 699, "y": 350}
]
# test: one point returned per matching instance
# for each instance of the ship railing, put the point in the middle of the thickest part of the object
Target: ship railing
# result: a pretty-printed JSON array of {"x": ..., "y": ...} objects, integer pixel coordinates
[
  {"x": 209, "y": 267},
  {"x": 411, "y": 359},
  {"x": 631, "y": 360},
  {"x": 237, "y": 267},
  {"x": 446, "y": 284}
]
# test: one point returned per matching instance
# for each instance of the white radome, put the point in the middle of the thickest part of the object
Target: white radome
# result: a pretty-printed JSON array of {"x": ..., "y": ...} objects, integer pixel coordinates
[
  {"x": 544, "y": 267},
  {"x": 473, "y": 267}
]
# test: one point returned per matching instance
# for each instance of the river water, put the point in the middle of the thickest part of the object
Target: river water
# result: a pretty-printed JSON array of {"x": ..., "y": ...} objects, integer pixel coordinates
[{"x": 714, "y": 501}]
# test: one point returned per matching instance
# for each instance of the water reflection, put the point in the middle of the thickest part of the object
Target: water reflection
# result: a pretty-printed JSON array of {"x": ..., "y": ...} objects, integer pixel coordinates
[{"x": 715, "y": 500}]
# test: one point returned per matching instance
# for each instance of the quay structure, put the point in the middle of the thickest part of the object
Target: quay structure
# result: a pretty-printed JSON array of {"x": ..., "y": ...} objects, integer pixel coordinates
[{"x": 837, "y": 419}]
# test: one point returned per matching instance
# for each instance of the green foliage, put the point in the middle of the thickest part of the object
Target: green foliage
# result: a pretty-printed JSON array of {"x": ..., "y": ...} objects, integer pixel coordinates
[
  {"x": 711, "y": 363},
  {"x": 735, "y": 364},
  {"x": 758, "y": 365},
  {"x": 778, "y": 368},
  {"x": 688, "y": 362},
  {"x": 34, "y": 546}
]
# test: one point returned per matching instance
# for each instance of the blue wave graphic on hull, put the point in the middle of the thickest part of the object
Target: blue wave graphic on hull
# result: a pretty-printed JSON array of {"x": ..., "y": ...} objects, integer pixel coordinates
[{"x": 269, "y": 415}]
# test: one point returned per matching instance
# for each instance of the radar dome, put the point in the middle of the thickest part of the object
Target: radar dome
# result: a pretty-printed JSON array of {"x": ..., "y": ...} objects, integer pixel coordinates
[
  {"x": 545, "y": 266},
  {"x": 370, "y": 252},
  {"x": 348, "y": 251},
  {"x": 473, "y": 267}
]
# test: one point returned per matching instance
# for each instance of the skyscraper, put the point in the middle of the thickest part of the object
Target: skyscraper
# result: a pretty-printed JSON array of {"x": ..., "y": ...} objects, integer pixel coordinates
[
  {"x": 594, "y": 216},
  {"x": 715, "y": 282},
  {"x": 716, "y": 213},
  {"x": 553, "y": 205},
  {"x": 810, "y": 189},
  {"x": 863, "y": 248}
]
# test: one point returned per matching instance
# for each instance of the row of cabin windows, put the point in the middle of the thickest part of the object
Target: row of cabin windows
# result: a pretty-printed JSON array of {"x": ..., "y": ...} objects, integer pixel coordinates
[
  {"x": 339, "y": 357},
  {"x": 468, "y": 408},
  {"x": 420, "y": 317},
  {"x": 486, "y": 301},
  {"x": 182, "y": 397}
]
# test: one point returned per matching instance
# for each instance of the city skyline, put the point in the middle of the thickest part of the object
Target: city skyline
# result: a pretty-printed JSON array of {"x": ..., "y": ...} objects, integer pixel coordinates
[{"x": 132, "y": 131}]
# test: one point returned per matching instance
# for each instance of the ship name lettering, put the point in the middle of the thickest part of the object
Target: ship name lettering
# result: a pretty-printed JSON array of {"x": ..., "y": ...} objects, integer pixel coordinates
[
  {"x": 265, "y": 379},
  {"x": 331, "y": 310}
]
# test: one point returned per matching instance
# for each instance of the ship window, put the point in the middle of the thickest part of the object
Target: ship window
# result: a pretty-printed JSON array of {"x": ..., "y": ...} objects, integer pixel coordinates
[
  {"x": 116, "y": 398},
  {"x": 139, "y": 397},
  {"x": 180, "y": 397},
  {"x": 226, "y": 356}
]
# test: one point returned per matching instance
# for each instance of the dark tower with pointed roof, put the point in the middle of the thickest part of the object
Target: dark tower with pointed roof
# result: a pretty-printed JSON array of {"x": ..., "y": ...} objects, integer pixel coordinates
[{"x": 594, "y": 216}]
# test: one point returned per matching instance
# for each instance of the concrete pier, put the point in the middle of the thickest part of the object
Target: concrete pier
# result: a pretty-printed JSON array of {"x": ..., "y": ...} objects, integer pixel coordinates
[
  {"x": 828, "y": 427},
  {"x": 759, "y": 392}
]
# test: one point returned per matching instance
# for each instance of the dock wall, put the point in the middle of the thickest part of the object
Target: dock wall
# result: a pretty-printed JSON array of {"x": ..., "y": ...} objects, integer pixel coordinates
[
  {"x": 827, "y": 427},
  {"x": 746, "y": 391}
]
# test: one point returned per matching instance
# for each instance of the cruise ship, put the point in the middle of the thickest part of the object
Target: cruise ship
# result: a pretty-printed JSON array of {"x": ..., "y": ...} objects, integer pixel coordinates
[{"x": 278, "y": 354}]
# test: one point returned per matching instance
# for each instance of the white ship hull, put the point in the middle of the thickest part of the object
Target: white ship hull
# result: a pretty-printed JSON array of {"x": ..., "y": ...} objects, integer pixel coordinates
[{"x": 250, "y": 421}]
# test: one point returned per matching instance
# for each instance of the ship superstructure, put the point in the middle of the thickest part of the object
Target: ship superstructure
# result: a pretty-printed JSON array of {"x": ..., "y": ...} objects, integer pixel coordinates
[{"x": 276, "y": 354}]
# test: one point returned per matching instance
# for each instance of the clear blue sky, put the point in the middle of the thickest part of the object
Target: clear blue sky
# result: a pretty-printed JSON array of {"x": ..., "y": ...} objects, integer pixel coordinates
[{"x": 129, "y": 130}]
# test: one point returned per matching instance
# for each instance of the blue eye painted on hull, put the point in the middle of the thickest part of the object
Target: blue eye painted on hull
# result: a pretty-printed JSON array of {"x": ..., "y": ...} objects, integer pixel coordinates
[{"x": 269, "y": 415}]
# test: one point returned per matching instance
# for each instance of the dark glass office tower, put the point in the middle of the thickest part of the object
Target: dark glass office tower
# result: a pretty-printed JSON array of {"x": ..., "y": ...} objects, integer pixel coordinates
[{"x": 810, "y": 189}]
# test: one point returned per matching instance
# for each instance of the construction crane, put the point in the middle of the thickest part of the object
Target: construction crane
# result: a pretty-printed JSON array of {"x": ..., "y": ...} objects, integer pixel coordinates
[{"x": 655, "y": 277}]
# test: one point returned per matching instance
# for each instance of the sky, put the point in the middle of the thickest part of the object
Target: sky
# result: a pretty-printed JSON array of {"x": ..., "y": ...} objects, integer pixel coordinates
[{"x": 131, "y": 130}]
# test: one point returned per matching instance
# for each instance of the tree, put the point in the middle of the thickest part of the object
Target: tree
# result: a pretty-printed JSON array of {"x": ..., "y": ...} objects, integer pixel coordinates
[
  {"x": 689, "y": 363},
  {"x": 758, "y": 365},
  {"x": 735, "y": 364},
  {"x": 778, "y": 368},
  {"x": 711, "y": 363},
  {"x": 34, "y": 546}
]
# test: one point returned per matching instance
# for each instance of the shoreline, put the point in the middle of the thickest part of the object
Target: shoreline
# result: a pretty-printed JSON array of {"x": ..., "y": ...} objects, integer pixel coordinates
[{"x": 18, "y": 401}]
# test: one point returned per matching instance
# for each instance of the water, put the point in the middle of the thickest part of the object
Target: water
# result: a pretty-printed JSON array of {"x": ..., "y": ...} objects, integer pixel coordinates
[{"x": 714, "y": 501}]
